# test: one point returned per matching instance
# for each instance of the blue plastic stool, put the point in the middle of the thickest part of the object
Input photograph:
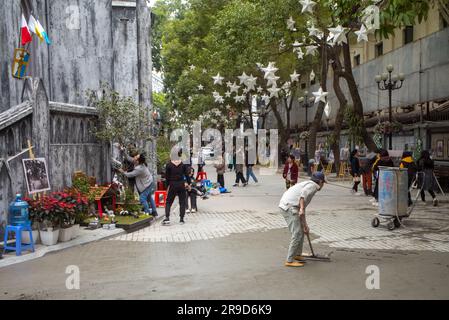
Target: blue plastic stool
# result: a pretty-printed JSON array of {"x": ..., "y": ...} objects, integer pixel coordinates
[
  {"x": 207, "y": 183},
  {"x": 18, "y": 247}
]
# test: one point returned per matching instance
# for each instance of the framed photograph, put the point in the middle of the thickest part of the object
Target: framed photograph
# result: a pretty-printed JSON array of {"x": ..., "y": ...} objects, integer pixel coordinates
[
  {"x": 36, "y": 175},
  {"x": 440, "y": 149}
]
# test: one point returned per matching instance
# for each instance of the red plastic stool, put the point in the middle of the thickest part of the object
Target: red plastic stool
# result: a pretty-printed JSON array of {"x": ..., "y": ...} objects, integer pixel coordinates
[
  {"x": 201, "y": 176},
  {"x": 160, "y": 198}
]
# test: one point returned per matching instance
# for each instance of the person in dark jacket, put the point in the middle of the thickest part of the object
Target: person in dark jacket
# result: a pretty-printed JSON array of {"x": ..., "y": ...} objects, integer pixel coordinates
[
  {"x": 355, "y": 170},
  {"x": 178, "y": 180},
  {"x": 426, "y": 168},
  {"x": 291, "y": 172},
  {"x": 383, "y": 160},
  {"x": 408, "y": 163}
]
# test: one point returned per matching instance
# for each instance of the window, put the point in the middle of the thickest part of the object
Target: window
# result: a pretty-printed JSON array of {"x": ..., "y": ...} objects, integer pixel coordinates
[
  {"x": 408, "y": 34},
  {"x": 357, "y": 60},
  {"x": 379, "y": 49}
]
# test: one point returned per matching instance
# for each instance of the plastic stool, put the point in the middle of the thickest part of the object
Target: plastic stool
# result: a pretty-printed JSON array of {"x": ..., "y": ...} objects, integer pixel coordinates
[
  {"x": 160, "y": 203},
  {"x": 201, "y": 176},
  {"x": 18, "y": 247},
  {"x": 206, "y": 183}
]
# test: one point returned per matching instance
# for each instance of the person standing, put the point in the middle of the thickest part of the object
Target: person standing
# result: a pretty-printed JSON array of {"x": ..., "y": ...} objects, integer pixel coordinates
[
  {"x": 239, "y": 175},
  {"x": 249, "y": 168},
  {"x": 355, "y": 170},
  {"x": 408, "y": 163},
  {"x": 383, "y": 160},
  {"x": 221, "y": 169},
  {"x": 291, "y": 172},
  {"x": 178, "y": 181},
  {"x": 293, "y": 206},
  {"x": 144, "y": 183},
  {"x": 426, "y": 167}
]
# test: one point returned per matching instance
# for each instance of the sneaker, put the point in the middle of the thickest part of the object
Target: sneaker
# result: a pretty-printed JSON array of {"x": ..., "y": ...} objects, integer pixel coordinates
[
  {"x": 294, "y": 264},
  {"x": 193, "y": 210},
  {"x": 245, "y": 184},
  {"x": 376, "y": 204},
  {"x": 188, "y": 211},
  {"x": 235, "y": 185},
  {"x": 300, "y": 259},
  {"x": 435, "y": 202},
  {"x": 372, "y": 200},
  {"x": 181, "y": 221},
  {"x": 166, "y": 222}
]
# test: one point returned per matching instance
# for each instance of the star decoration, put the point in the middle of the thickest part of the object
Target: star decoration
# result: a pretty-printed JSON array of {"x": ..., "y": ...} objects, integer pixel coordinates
[
  {"x": 312, "y": 75},
  {"x": 338, "y": 35},
  {"x": 296, "y": 46},
  {"x": 190, "y": 98},
  {"x": 272, "y": 81},
  {"x": 251, "y": 82},
  {"x": 313, "y": 32},
  {"x": 274, "y": 92},
  {"x": 227, "y": 94},
  {"x": 192, "y": 67},
  {"x": 229, "y": 84},
  {"x": 243, "y": 78},
  {"x": 259, "y": 89},
  {"x": 281, "y": 44},
  {"x": 311, "y": 50},
  {"x": 239, "y": 99},
  {"x": 205, "y": 71},
  {"x": 245, "y": 91},
  {"x": 327, "y": 110},
  {"x": 287, "y": 86},
  {"x": 218, "y": 79},
  {"x": 300, "y": 54},
  {"x": 200, "y": 87},
  {"x": 270, "y": 70},
  {"x": 362, "y": 34},
  {"x": 291, "y": 24},
  {"x": 234, "y": 88},
  {"x": 295, "y": 77},
  {"x": 307, "y": 5},
  {"x": 266, "y": 99},
  {"x": 320, "y": 95}
]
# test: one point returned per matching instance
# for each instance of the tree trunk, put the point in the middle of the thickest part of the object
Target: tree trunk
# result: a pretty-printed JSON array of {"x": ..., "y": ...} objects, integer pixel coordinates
[
  {"x": 339, "y": 118},
  {"x": 357, "y": 101},
  {"x": 316, "y": 124},
  {"x": 283, "y": 132}
]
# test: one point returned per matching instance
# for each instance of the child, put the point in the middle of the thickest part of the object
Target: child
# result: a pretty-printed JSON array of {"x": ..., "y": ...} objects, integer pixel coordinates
[{"x": 193, "y": 191}]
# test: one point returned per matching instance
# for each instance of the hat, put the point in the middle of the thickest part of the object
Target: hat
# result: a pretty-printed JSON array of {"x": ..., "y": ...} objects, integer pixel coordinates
[{"x": 319, "y": 176}]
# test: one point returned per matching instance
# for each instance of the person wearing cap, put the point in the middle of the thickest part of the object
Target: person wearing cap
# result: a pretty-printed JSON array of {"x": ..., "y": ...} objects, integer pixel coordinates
[
  {"x": 408, "y": 163},
  {"x": 293, "y": 206},
  {"x": 383, "y": 160}
]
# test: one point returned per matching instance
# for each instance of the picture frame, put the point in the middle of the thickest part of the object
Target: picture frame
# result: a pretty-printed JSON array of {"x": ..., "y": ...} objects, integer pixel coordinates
[{"x": 36, "y": 175}]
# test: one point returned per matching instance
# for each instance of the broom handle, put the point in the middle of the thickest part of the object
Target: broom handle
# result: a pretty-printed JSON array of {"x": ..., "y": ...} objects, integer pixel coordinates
[{"x": 310, "y": 244}]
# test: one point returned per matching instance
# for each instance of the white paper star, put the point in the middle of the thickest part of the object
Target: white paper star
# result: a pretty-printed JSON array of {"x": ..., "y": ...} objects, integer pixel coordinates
[
  {"x": 218, "y": 79},
  {"x": 327, "y": 110},
  {"x": 312, "y": 75},
  {"x": 295, "y": 76},
  {"x": 300, "y": 54},
  {"x": 320, "y": 95},
  {"x": 270, "y": 70},
  {"x": 251, "y": 82},
  {"x": 239, "y": 99},
  {"x": 204, "y": 71},
  {"x": 245, "y": 91},
  {"x": 313, "y": 32},
  {"x": 234, "y": 88},
  {"x": 218, "y": 99},
  {"x": 291, "y": 24},
  {"x": 200, "y": 87},
  {"x": 227, "y": 94},
  {"x": 274, "y": 92},
  {"x": 362, "y": 34},
  {"x": 272, "y": 81},
  {"x": 311, "y": 50},
  {"x": 307, "y": 6},
  {"x": 228, "y": 107},
  {"x": 266, "y": 99},
  {"x": 192, "y": 67},
  {"x": 338, "y": 35},
  {"x": 243, "y": 78},
  {"x": 259, "y": 89}
]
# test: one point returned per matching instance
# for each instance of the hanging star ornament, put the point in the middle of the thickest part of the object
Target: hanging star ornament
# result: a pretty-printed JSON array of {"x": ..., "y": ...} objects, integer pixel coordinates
[
  {"x": 311, "y": 50},
  {"x": 362, "y": 34},
  {"x": 327, "y": 110},
  {"x": 218, "y": 79},
  {"x": 274, "y": 92},
  {"x": 200, "y": 87},
  {"x": 270, "y": 70},
  {"x": 313, "y": 32},
  {"x": 291, "y": 24},
  {"x": 338, "y": 35},
  {"x": 320, "y": 95},
  {"x": 295, "y": 76},
  {"x": 272, "y": 81},
  {"x": 259, "y": 89},
  {"x": 234, "y": 88},
  {"x": 227, "y": 94},
  {"x": 243, "y": 78},
  {"x": 265, "y": 98},
  {"x": 312, "y": 75},
  {"x": 251, "y": 82},
  {"x": 300, "y": 54},
  {"x": 307, "y": 6}
]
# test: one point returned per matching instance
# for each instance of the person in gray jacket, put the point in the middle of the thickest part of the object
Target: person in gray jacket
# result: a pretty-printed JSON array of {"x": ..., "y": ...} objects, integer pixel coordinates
[{"x": 144, "y": 183}]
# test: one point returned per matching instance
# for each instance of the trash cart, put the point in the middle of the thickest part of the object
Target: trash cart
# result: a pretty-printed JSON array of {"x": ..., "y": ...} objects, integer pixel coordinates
[{"x": 393, "y": 197}]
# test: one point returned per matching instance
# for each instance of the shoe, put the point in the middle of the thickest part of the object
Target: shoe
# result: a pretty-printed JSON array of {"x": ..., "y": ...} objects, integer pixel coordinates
[
  {"x": 181, "y": 221},
  {"x": 294, "y": 264},
  {"x": 300, "y": 259},
  {"x": 372, "y": 200},
  {"x": 435, "y": 202},
  {"x": 193, "y": 211},
  {"x": 188, "y": 211},
  {"x": 235, "y": 185},
  {"x": 358, "y": 194},
  {"x": 166, "y": 222},
  {"x": 245, "y": 184},
  {"x": 376, "y": 204}
]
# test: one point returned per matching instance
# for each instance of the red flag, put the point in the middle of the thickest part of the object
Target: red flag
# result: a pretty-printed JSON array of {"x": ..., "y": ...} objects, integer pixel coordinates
[{"x": 25, "y": 32}]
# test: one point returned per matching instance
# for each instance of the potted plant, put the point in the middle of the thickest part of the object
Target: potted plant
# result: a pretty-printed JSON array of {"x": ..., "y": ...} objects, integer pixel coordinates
[
  {"x": 49, "y": 219},
  {"x": 34, "y": 221},
  {"x": 81, "y": 213}
]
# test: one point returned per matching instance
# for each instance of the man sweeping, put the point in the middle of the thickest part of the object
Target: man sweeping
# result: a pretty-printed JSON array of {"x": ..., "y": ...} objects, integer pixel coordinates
[{"x": 293, "y": 207}]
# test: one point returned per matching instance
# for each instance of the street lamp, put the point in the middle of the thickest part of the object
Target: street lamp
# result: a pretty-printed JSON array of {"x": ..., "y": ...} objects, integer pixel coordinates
[{"x": 390, "y": 82}]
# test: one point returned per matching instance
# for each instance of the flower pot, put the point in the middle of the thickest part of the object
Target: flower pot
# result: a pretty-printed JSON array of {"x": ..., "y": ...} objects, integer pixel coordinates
[
  {"x": 75, "y": 231},
  {"x": 65, "y": 234},
  {"x": 49, "y": 237},
  {"x": 26, "y": 237}
]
